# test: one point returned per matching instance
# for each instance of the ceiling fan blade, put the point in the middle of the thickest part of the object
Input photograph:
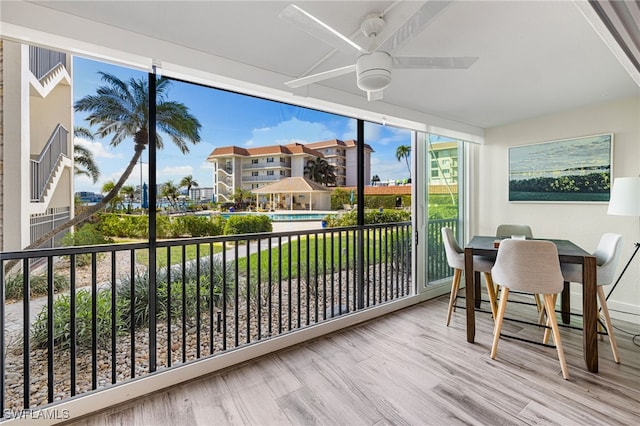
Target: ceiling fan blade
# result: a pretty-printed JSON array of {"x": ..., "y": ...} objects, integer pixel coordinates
[
  {"x": 323, "y": 32},
  {"x": 314, "y": 78},
  {"x": 446, "y": 62},
  {"x": 414, "y": 25}
]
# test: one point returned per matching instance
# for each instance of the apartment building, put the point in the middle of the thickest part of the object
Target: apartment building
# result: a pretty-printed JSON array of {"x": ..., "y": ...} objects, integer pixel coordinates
[
  {"x": 444, "y": 163},
  {"x": 251, "y": 168},
  {"x": 342, "y": 155},
  {"x": 36, "y": 145}
]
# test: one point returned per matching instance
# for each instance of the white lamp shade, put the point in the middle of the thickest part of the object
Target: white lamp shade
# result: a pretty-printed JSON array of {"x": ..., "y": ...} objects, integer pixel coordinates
[{"x": 625, "y": 197}]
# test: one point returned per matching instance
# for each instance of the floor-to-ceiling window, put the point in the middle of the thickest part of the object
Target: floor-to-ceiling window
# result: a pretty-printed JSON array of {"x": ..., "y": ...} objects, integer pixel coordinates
[{"x": 443, "y": 172}]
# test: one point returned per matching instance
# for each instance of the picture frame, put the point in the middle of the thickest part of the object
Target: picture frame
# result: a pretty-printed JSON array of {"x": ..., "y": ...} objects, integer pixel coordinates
[{"x": 567, "y": 170}]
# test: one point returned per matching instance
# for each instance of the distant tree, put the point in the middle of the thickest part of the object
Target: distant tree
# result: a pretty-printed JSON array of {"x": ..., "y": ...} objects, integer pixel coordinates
[
  {"x": 116, "y": 200},
  {"x": 171, "y": 192},
  {"x": 188, "y": 182},
  {"x": 242, "y": 195},
  {"x": 375, "y": 179},
  {"x": 320, "y": 171},
  {"x": 128, "y": 192},
  {"x": 404, "y": 152}
]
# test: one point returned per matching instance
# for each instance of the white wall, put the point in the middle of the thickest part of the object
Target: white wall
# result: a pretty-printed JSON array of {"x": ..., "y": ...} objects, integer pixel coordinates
[{"x": 581, "y": 223}]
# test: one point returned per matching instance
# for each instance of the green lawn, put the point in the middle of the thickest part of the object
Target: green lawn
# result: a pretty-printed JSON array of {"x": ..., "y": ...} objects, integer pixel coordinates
[
  {"x": 142, "y": 256},
  {"x": 334, "y": 251}
]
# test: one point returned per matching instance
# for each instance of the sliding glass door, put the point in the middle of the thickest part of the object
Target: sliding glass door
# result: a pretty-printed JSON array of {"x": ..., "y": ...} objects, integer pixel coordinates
[{"x": 440, "y": 171}]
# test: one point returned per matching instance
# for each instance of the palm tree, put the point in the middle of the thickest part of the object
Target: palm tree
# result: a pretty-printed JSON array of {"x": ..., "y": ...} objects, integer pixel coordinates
[
  {"x": 404, "y": 151},
  {"x": 120, "y": 109},
  {"x": 242, "y": 195},
  {"x": 170, "y": 191},
  {"x": 188, "y": 182},
  {"x": 320, "y": 171},
  {"x": 107, "y": 187},
  {"x": 83, "y": 161},
  {"x": 128, "y": 192}
]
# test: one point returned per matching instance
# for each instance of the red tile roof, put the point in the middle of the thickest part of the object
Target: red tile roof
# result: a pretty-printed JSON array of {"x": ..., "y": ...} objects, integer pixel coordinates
[
  {"x": 290, "y": 149},
  {"x": 336, "y": 142},
  {"x": 401, "y": 189}
]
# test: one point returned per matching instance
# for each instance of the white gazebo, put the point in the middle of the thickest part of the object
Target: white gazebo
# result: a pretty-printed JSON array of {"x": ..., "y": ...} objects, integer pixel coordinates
[{"x": 295, "y": 192}]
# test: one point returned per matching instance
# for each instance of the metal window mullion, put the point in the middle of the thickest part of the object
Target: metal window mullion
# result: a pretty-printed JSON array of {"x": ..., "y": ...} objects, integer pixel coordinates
[
  {"x": 184, "y": 302},
  {"x": 50, "y": 329}
]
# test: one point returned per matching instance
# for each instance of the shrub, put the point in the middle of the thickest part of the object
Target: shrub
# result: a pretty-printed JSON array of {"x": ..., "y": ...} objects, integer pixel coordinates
[
  {"x": 370, "y": 217},
  {"x": 140, "y": 316},
  {"x": 137, "y": 226},
  {"x": 340, "y": 197},
  {"x": 87, "y": 235},
  {"x": 38, "y": 285},
  {"x": 62, "y": 321},
  {"x": 249, "y": 224},
  {"x": 197, "y": 226}
]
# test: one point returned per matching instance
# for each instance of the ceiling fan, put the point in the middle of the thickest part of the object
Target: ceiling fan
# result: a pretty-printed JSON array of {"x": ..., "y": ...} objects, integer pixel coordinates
[{"x": 373, "y": 64}]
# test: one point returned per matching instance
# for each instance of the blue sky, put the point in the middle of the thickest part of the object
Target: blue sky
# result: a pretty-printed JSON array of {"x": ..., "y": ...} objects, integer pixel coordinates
[{"x": 227, "y": 119}]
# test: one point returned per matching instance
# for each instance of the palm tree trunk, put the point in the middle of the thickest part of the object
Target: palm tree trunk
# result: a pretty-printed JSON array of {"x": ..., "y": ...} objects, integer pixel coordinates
[{"x": 85, "y": 213}]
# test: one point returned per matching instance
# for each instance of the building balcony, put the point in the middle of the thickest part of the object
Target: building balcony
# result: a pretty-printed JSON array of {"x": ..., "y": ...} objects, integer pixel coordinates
[
  {"x": 221, "y": 309},
  {"x": 229, "y": 306},
  {"x": 263, "y": 178},
  {"x": 263, "y": 165}
]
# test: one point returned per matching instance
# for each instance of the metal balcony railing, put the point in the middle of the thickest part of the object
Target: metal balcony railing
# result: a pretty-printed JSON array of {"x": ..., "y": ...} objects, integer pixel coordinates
[
  {"x": 107, "y": 317},
  {"x": 41, "y": 60},
  {"x": 43, "y": 167},
  {"x": 264, "y": 165},
  {"x": 45, "y": 222},
  {"x": 263, "y": 178},
  {"x": 437, "y": 266}
]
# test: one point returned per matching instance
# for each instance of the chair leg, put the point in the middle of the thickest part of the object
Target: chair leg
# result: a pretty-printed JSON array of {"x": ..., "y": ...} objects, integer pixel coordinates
[
  {"x": 607, "y": 321},
  {"x": 498, "y": 323},
  {"x": 454, "y": 292},
  {"x": 547, "y": 331},
  {"x": 540, "y": 308},
  {"x": 550, "y": 305},
  {"x": 492, "y": 294}
]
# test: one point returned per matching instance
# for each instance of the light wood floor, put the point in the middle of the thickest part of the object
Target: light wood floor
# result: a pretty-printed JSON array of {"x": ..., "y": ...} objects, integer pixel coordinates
[{"x": 407, "y": 368}]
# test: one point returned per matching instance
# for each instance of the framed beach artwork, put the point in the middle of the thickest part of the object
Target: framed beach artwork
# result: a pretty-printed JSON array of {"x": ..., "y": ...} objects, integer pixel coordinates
[{"x": 569, "y": 170}]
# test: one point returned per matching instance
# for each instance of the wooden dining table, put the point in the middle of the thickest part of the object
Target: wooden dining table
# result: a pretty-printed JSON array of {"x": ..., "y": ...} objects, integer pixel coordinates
[{"x": 568, "y": 252}]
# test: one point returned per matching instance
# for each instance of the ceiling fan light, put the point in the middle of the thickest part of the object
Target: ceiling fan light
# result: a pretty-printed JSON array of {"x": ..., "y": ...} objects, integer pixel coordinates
[{"x": 373, "y": 71}]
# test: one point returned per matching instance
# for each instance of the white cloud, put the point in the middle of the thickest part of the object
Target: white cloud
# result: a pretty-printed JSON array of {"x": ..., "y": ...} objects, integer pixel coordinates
[
  {"x": 289, "y": 131},
  {"x": 388, "y": 169},
  {"x": 97, "y": 149},
  {"x": 176, "y": 171}
]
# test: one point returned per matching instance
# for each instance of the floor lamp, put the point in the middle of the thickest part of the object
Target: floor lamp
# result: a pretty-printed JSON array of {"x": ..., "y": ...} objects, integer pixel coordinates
[{"x": 625, "y": 201}]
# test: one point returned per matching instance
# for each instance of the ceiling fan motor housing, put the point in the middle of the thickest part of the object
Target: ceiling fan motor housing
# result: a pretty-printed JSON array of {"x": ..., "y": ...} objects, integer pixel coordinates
[{"x": 374, "y": 71}]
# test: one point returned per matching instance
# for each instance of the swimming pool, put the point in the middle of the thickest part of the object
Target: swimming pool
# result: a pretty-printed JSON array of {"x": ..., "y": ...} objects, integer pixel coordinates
[{"x": 282, "y": 217}]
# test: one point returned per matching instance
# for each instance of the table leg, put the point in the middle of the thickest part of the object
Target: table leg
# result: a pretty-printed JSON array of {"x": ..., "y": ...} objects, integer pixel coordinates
[
  {"x": 590, "y": 313},
  {"x": 565, "y": 303},
  {"x": 469, "y": 295},
  {"x": 476, "y": 289}
]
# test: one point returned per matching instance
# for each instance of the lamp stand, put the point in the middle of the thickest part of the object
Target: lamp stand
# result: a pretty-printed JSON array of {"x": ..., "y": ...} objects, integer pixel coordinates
[{"x": 624, "y": 270}]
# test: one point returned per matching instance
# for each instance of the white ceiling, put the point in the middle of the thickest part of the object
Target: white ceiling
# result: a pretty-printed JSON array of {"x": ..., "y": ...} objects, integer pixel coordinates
[{"x": 536, "y": 58}]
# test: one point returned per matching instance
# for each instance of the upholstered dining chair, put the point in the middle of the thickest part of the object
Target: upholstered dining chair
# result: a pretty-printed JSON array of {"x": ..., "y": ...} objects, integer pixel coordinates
[
  {"x": 508, "y": 230},
  {"x": 455, "y": 259},
  {"x": 607, "y": 255},
  {"x": 529, "y": 266},
  {"x": 505, "y": 230}
]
